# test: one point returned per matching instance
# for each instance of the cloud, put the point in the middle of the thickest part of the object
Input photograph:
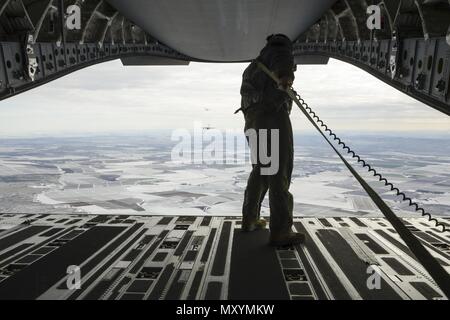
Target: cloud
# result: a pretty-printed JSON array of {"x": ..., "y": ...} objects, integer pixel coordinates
[{"x": 112, "y": 98}]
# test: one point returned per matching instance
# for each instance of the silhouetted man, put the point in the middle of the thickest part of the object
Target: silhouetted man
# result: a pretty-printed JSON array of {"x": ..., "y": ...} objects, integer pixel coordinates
[{"x": 266, "y": 107}]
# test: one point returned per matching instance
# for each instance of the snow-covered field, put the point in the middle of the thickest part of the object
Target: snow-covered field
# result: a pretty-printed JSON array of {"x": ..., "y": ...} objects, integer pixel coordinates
[{"x": 135, "y": 175}]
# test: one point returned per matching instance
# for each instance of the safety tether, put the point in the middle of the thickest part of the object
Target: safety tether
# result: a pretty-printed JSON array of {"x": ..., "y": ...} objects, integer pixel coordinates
[{"x": 433, "y": 267}]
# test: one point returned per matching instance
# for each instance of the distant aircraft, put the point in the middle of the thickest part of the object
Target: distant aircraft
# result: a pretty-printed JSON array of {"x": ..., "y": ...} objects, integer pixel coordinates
[{"x": 208, "y": 127}]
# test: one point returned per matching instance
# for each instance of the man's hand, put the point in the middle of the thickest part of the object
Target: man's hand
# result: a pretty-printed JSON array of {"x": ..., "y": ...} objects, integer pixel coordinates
[{"x": 285, "y": 83}]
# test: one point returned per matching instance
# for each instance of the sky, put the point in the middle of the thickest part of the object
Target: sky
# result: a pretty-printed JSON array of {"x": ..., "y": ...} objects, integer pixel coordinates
[{"x": 109, "y": 98}]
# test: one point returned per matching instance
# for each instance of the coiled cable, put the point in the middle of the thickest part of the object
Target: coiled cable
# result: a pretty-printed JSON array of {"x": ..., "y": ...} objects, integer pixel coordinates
[{"x": 370, "y": 169}]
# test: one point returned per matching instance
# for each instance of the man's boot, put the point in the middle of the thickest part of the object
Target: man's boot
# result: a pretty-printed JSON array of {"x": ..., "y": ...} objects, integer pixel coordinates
[
  {"x": 253, "y": 225},
  {"x": 289, "y": 238}
]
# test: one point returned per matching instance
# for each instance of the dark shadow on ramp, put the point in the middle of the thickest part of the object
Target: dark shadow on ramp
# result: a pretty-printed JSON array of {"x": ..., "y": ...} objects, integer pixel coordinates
[{"x": 255, "y": 271}]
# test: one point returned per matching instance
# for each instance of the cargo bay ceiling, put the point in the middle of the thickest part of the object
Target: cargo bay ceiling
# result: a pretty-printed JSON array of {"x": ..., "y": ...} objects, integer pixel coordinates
[{"x": 42, "y": 40}]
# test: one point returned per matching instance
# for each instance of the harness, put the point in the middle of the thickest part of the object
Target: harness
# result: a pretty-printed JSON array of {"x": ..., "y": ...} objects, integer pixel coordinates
[{"x": 253, "y": 92}]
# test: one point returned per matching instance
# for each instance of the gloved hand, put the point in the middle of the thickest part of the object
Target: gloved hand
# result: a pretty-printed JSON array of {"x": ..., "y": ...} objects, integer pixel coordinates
[{"x": 285, "y": 83}]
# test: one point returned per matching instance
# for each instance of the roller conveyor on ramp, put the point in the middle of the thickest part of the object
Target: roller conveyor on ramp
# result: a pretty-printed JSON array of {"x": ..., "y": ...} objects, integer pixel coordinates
[{"x": 205, "y": 258}]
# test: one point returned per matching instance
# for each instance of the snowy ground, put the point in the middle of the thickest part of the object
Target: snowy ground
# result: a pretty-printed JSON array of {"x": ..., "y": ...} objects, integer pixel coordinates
[{"x": 135, "y": 175}]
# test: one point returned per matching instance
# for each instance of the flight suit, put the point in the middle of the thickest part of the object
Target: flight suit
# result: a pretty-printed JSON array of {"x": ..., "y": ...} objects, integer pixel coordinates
[{"x": 267, "y": 107}]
